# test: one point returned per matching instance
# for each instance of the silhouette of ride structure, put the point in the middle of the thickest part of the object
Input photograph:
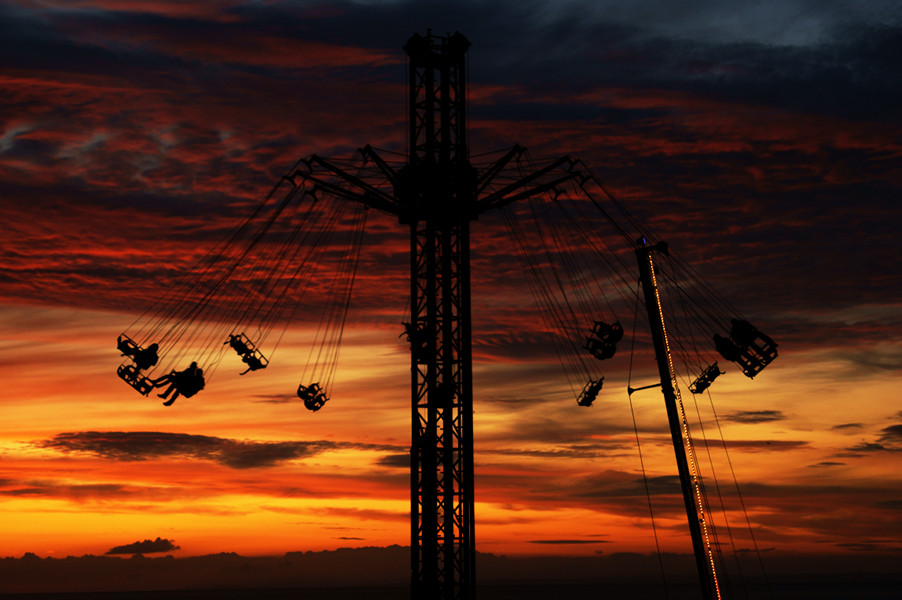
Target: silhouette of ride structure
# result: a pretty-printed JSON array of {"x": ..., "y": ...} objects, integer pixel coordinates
[
  {"x": 297, "y": 254},
  {"x": 248, "y": 352}
]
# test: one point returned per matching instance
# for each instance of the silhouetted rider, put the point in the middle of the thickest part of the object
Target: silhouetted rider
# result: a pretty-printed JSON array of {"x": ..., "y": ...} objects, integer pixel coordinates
[{"x": 187, "y": 383}]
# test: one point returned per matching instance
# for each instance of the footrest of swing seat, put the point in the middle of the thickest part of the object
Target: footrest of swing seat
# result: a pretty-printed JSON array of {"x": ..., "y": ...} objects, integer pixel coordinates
[{"x": 130, "y": 375}]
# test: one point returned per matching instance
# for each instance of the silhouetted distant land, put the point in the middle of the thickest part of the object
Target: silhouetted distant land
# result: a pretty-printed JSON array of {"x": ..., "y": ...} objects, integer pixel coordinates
[{"x": 383, "y": 573}]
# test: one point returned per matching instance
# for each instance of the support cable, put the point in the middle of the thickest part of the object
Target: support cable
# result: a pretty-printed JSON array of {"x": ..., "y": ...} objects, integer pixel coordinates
[
  {"x": 543, "y": 300},
  {"x": 741, "y": 500}
]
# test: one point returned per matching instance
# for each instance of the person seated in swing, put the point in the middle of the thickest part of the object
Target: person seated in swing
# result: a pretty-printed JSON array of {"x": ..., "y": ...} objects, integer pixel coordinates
[
  {"x": 253, "y": 363},
  {"x": 704, "y": 381},
  {"x": 126, "y": 346},
  {"x": 590, "y": 392},
  {"x": 742, "y": 332},
  {"x": 308, "y": 391},
  {"x": 144, "y": 357},
  {"x": 602, "y": 344},
  {"x": 727, "y": 348},
  {"x": 313, "y": 396},
  {"x": 609, "y": 333},
  {"x": 747, "y": 347},
  {"x": 417, "y": 339},
  {"x": 239, "y": 345},
  {"x": 185, "y": 383}
]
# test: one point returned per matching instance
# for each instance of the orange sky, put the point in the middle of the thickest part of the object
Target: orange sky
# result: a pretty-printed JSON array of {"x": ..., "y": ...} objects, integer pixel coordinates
[
  {"x": 122, "y": 166},
  {"x": 546, "y": 469}
]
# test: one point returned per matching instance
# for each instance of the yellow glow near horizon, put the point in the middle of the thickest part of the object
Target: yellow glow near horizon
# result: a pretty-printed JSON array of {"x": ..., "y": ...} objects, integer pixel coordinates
[{"x": 551, "y": 477}]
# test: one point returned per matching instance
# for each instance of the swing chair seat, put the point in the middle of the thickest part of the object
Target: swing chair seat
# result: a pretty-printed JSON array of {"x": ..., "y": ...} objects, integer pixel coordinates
[
  {"x": 590, "y": 392},
  {"x": 747, "y": 347},
  {"x": 248, "y": 351},
  {"x": 704, "y": 381},
  {"x": 126, "y": 345},
  {"x": 255, "y": 361},
  {"x": 314, "y": 398}
]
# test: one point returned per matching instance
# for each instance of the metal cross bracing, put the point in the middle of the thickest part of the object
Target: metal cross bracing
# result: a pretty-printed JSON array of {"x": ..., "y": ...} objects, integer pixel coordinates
[
  {"x": 438, "y": 188},
  {"x": 437, "y": 192}
]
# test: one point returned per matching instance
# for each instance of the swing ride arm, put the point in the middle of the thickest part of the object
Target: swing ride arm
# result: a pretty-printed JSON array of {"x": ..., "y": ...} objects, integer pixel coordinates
[
  {"x": 326, "y": 176},
  {"x": 539, "y": 181}
]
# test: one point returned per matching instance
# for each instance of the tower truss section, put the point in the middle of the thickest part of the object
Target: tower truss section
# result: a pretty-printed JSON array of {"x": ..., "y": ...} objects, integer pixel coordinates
[{"x": 437, "y": 190}]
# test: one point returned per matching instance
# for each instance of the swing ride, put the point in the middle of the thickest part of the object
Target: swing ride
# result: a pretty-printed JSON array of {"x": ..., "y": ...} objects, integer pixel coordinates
[{"x": 297, "y": 253}]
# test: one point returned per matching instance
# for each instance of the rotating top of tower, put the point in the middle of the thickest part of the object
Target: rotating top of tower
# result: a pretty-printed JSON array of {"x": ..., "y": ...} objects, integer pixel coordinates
[{"x": 425, "y": 49}]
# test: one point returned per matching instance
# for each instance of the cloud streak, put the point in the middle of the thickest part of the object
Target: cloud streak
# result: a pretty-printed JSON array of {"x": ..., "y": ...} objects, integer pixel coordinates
[
  {"x": 144, "y": 547},
  {"x": 756, "y": 416},
  {"x": 145, "y": 445}
]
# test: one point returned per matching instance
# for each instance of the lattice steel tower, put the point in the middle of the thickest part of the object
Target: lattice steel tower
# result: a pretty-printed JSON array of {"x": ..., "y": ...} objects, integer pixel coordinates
[
  {"x": 438, "y": 189},
  {"x": 437, "y": 193}
]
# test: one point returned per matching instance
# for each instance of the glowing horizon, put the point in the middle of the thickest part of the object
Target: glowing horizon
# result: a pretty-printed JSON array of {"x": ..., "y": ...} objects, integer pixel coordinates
[{"x": 126, "y": 163}]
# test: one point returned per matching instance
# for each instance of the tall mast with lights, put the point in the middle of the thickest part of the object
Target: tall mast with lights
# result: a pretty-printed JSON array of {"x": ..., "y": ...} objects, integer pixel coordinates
[{"x": 690, "y": 482}]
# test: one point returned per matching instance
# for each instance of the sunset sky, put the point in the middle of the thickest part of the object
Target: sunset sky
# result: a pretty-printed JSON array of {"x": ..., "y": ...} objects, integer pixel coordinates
[{"x": 762, "y": 140}]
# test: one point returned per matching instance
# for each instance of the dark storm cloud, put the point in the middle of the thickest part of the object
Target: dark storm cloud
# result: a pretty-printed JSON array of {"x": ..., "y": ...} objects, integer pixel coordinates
[
  {"x": 843, "y": 67},
  {"x": 138, "y": 445},
  {"x": 756, "y": 416},
  {"x": 145, "y": 547}
]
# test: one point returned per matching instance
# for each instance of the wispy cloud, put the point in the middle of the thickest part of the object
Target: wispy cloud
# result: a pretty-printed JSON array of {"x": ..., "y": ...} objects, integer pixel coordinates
[
  {"x": 144, "y": 445},
  {"x": 756, "y": 416},
  {"x": 891, "y": 434},
  {"x": 847, "y": 426}
]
